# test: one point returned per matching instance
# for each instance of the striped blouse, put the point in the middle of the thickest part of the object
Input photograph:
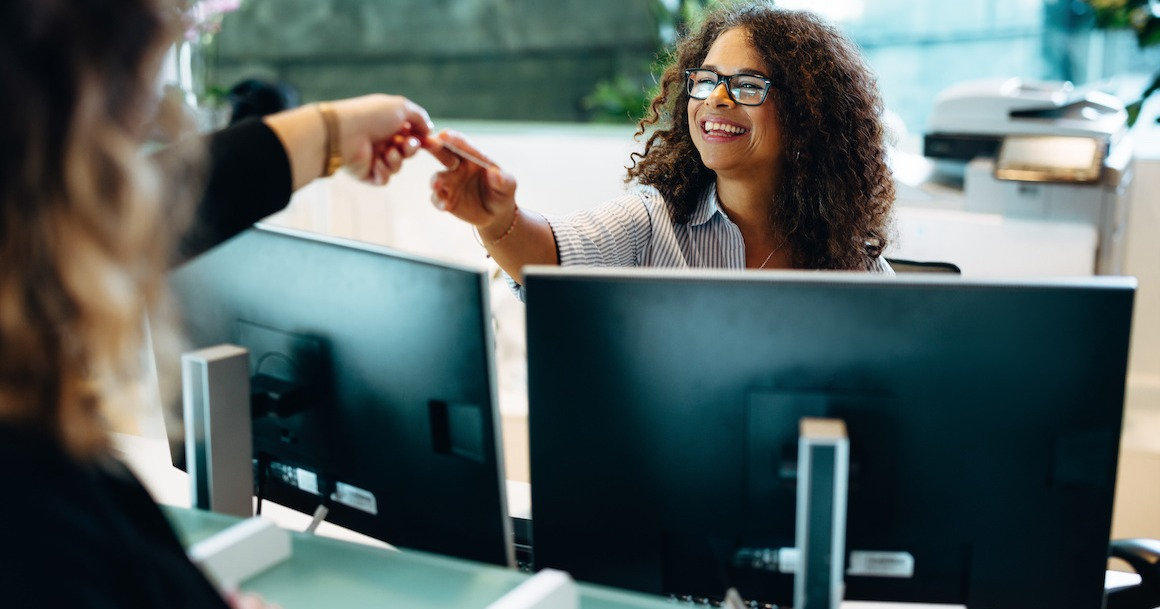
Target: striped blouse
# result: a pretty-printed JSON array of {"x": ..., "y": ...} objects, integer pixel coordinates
[{"x": 637, "y": 230}]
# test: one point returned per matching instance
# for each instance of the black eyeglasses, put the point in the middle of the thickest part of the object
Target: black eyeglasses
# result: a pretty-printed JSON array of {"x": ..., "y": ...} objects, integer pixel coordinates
[{"x": 745, "y": 89}]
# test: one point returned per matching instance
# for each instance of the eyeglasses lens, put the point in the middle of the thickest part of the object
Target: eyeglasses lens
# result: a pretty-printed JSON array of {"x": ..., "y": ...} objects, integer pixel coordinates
[{"x": 745, "y": 89}]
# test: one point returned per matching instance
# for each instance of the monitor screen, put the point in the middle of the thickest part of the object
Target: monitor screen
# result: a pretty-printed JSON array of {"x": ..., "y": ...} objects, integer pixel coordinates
[
  {"x": 373, "y": 380},
  {"x": 983, "y": 419}
]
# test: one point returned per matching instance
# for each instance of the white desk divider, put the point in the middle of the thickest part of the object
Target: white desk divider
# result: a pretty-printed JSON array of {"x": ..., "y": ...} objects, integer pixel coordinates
[
  {"x": 241, "y": 551},
  {"x": 548, "y": 589}
]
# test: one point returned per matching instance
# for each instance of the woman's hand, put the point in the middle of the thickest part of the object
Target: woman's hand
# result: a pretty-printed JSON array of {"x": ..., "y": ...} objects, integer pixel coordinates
[
  {"x": 374, "y": 134},
  {"x": 378, "y": 132},
  {"x": 484, "y": 197}
]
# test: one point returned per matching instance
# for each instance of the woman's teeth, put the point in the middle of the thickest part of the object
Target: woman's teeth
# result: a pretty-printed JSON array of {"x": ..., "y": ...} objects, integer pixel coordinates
[{"x": 711, "y": 126}]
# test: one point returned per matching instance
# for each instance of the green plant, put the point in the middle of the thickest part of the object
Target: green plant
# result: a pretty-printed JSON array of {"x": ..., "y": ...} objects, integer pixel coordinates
[
  {"x": 1140, "y": 16},
  {"x": 1143, "y": 18},
  {"x": 617, "y": 99}
]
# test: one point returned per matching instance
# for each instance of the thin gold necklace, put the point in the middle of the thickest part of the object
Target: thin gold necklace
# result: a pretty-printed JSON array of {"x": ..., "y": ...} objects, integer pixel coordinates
[{"x": 779, "y": 246}]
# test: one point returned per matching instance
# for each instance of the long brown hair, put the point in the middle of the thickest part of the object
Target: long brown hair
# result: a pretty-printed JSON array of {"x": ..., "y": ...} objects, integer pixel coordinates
[
  {"x": 836, "y": 193},
  {"x": 84, "y": 234}
]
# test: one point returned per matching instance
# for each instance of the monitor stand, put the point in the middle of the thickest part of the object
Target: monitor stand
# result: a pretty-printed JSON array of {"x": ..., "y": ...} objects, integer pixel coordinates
[
  {"x": 216, "y": 407},
  {"x": 823, "y": 473},
  {"x": 817, "y": 559}
]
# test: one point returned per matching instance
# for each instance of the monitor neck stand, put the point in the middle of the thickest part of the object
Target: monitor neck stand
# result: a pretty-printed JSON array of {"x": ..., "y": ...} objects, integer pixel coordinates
[
  {"x": 823, "y": 471},
  {"x": 216, "y": 408}
]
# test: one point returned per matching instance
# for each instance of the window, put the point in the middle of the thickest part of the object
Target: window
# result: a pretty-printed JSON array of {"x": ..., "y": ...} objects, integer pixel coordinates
[{"x": 529, "y": 60}]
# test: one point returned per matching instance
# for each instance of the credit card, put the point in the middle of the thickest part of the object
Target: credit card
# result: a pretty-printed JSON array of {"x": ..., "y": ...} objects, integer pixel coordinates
[{"x": 463, "y": 154}]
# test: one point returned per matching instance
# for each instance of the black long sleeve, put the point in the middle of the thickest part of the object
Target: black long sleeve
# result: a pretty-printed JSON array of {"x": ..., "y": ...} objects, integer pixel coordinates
[{"x": 248, "y": 179}]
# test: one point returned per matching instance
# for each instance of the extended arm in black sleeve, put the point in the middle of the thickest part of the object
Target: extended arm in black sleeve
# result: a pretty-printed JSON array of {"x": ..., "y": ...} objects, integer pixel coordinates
[{"x": 248, "y": 179}]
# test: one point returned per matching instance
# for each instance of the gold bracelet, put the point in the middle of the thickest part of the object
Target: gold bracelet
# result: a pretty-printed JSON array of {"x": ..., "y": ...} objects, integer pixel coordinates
[
  {"x": 510, "y": 228},
  {"x": 333, "y": 158}
]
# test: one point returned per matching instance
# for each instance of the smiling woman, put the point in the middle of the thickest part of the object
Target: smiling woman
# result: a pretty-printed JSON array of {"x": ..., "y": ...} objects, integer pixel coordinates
[
  {"x": 822, "y": 149},
  {"x": 738, "y": 135},
  {"x": 766, "y": 150}
]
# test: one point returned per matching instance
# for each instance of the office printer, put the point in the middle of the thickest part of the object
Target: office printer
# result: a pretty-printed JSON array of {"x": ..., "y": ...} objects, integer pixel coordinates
[
  {"x": 971, "y": 119},
  {"x": 1043, "y": 150}
]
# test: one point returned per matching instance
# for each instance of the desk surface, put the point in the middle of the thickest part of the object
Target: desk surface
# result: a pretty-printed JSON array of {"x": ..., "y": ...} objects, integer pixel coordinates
[
  {"x": 328, "y": 572},
  {"x": 324, "y": 572}
]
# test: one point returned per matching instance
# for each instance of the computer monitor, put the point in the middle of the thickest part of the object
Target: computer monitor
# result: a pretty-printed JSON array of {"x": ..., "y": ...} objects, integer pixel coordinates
[
  {"x": 373, "y": 378},
  {"x": 983, "y": 418}
]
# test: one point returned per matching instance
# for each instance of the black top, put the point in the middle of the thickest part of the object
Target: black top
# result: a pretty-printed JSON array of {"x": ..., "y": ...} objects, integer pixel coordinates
[
  {"x": 88, "y": 535},
  {"x": 249, "y": 179}
]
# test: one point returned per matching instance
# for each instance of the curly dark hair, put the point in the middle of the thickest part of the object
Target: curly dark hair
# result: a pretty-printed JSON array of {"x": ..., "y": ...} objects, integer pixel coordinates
[{"x": 834, "y": 200}]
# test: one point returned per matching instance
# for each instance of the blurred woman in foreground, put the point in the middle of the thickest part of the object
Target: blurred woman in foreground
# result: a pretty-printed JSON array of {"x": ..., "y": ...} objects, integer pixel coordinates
[{"x": 88, "y": 226}]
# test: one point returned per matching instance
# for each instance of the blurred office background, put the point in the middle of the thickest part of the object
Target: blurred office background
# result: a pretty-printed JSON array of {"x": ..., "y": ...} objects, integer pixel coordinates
[{"x": 593, "y": 60}]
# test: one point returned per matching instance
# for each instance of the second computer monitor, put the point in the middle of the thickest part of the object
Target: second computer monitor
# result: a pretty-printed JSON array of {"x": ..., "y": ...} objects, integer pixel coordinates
[
  {"x": 983, "y": 417},
  {"x": 373, "y": 384}
]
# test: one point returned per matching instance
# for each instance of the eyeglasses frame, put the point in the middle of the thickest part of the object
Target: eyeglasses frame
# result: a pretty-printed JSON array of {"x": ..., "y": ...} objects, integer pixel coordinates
[{"x": 722, "y": 78}]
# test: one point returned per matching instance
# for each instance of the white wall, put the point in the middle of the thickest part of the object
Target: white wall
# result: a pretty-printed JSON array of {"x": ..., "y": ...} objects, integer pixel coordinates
[
  {"x": 1138, "y": 494},
  {"x": 559, "y": 168}
]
